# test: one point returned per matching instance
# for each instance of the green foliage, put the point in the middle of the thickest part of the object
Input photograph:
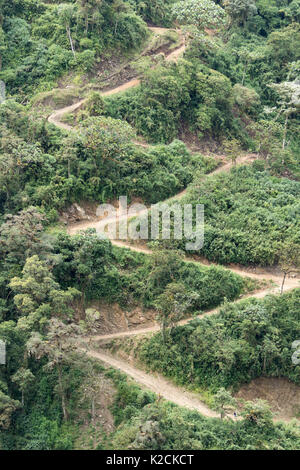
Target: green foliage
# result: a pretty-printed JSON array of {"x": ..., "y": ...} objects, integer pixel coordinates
[
  {"x": 237, "y": 85},
  {"x": 23, "y": 378},
  {"x": 7, "y": 407},
  {"x": 248, "y": 213},
  {"x": 156, "y": 12},
  {"x": 161, "y": 425},
  {"x": 258, "y": 414},
  {"x": 232, "y": 347},
  {"x": 89, "y": 264},
  {"x": 245, "y": 98},
  {"x": 223, "y": 402},
  {"x": 172, "y": 304},
  {"x": 129, "y": 400},
  {"x": 240, "y": 10},
  {"x": 98, "y": 163},
  {"x": 38, "y": 296},
  {"x": 109, "y": 165},
  {"x": 38, "y": 426},
  {"x": 95, "y": 105},
  {"x": 200, "y": 13},
  {"x": 86, "y": 263},
  {"x": 23, "y": 235},
  {"x": 176, "y": 93},
  {"x": 48, "y": 40},
  {"x": 147, "y": 278}
]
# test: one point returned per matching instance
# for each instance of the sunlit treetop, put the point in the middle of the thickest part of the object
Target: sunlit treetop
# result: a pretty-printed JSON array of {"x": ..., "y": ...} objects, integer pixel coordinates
[{"x": 199, "y": 13}]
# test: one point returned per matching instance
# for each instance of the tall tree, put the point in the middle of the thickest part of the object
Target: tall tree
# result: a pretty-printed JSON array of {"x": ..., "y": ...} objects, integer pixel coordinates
[
  {"x": 240, "y": 10},
  {"x": 289, "y": 260},
  {"x": 22, "y": 235},
  {"x": 172, "y": 304},
  {"x": 224, "y": 402},
  {"x": 38, "y": 296},
  {"x": 59, "y": 346},
  {"x": 233, "y": 149},
  {"x": 23, "y": 378},
  {"x": 289, "y": 102},
  {"x": 66, "y": 12}
]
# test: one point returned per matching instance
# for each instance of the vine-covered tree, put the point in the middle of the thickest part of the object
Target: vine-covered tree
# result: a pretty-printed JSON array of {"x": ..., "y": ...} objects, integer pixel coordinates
[
  {"x": 66, "y": 12},
  {"x": 58, "y": 345},
  {"x": 240, "y": 10},
  {"x": 7, "y": 406}
]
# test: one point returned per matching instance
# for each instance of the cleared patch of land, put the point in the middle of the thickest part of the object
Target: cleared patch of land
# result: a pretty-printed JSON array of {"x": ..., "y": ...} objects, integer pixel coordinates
[{"x": 282, "y": 395}]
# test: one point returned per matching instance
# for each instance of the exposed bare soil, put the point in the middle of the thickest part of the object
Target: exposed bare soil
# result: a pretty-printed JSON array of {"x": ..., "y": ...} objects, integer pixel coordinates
[
  {"x": 115, "y": 319},
  {"x": 56, "y": 117},
  {"x": 156, "y": 383},
  {"x": 282, "y": 395}
]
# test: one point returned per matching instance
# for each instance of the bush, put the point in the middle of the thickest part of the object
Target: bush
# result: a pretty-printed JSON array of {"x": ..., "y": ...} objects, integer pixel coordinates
[
  {"x": 85, "y": 60},
  {"x": 244, "y": 341},
  {"x": 172, "y": 94},
  {"x": 248, "y": 213}
]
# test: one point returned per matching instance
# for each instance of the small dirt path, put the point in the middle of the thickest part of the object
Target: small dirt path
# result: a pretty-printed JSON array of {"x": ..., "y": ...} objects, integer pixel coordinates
[
  {"x": 56, "y": 116},
  {"x": 156, "y": 328},
  {"x": 74, "y": 228},
  {"x": 156, "y": 383}
]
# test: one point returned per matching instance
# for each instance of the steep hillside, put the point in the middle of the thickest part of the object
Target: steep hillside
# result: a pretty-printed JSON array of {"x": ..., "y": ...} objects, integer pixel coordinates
[{"x": 188, "y": 102}]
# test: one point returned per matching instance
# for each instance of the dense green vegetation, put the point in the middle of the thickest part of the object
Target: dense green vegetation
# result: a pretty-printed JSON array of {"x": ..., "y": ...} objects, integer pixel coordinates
[
  {"x": 98, "y": 164},
  {"x": 141, "y": 422},
  {"x": 250, "y": 216},
  {"x": 165, "y": 426},
  {"x": 244, "y": 341},
  {"x": 172, "y": 94},
  {"x": 147, "y": 424},
  {"x": 37, "y": 39},
  {"x": 84, "y": 263},
  {"x": 234, "y": 84},
  {"x": 39, "y": 303},
  {"x": 236, "y": 89},
  {"x": 157, "y": 12},
  {"x": 147, "y": 277}
]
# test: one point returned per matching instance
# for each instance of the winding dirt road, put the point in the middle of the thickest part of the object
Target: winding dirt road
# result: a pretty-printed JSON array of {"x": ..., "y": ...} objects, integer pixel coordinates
[
  {"x": 56, "y": 116},
  {"x": 101, "y": 224},
  {"x": 156, "y": 328},
  {"x": 155, "y": 382}
]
